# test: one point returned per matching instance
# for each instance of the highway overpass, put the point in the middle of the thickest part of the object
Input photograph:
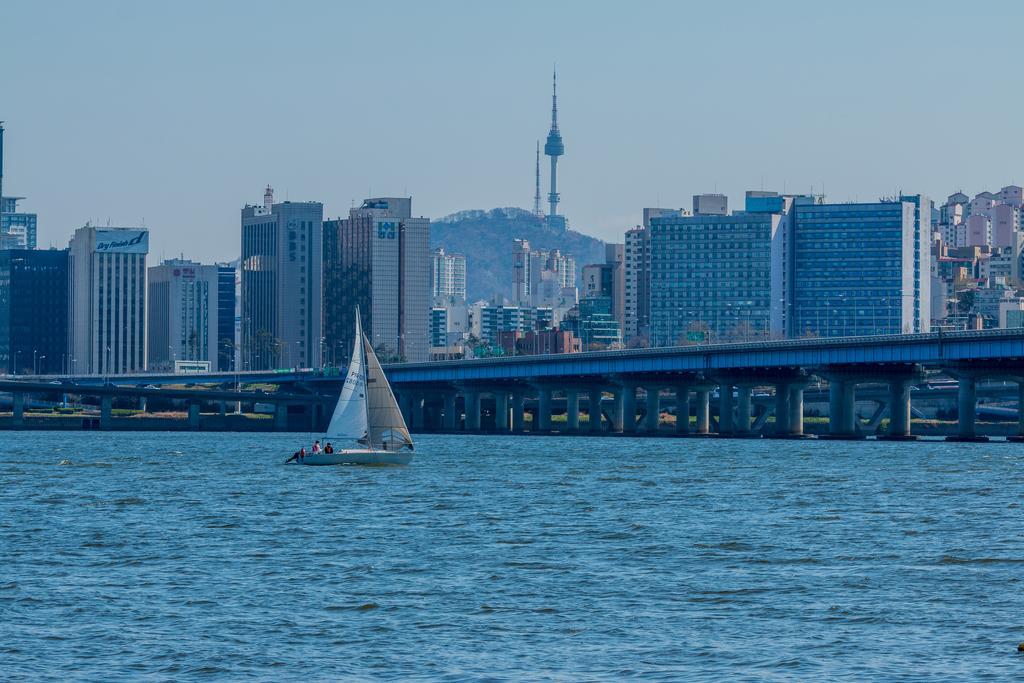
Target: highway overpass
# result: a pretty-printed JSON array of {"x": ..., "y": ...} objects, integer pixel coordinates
[{"x": 448, "y": 395}]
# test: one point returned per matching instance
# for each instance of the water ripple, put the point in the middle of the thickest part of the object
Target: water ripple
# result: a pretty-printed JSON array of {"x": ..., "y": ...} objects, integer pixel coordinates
[{"x": 510, "y": 559}]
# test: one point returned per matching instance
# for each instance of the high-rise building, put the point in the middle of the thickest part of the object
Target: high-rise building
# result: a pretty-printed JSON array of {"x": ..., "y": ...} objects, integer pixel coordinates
[
  {"x": 191, "y": 315},
  {"x": 447, "y": 274},
  {"x": 862, "y": 269},
  {"x": 227, "y": 316},
  {"x": 540, "y": 276},
  {"x": 952, "y": 216},
  {"x": 1005, "y": 224},
  {"x": 637, "y": 285},
  {"x": 521, "y": 277},
  {"x": 719, "y": 276},
  {"x": 34, "y": 311},
  {"x": 17, "y": 229},
  {"x": 608, "y": 280},
  {"x": 379, "y": 259},
  {"x": 554, "y": 148},
  {"x": 637, "y": 256},
  {"x": 107, "y": 300},
  {"x": 979, "y": 230},
  {"x": 282, "y": 288}
]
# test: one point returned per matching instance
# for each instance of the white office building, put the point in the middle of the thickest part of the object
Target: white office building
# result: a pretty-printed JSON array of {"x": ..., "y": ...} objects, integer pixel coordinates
[
  {"x": 107, "y": 300},
  {"x": 447, "y": 274},
  {"x": 185, "y": 318}
]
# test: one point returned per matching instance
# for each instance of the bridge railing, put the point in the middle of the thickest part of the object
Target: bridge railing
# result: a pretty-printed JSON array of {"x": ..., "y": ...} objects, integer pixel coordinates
[{"x": 728, "y": 347}]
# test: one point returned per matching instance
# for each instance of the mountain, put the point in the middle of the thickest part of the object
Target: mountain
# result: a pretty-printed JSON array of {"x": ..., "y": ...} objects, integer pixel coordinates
[{"x": 485, "y": 239}]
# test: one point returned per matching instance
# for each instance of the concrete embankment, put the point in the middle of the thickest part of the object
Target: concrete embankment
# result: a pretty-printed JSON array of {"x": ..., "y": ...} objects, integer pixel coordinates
[
  {"x": 149, "y": 423},
  {"x": 259, "y": 423}
]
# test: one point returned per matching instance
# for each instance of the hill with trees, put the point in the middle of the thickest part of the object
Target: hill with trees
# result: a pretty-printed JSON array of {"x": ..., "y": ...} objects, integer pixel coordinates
[{"x": 485, "y": 238}]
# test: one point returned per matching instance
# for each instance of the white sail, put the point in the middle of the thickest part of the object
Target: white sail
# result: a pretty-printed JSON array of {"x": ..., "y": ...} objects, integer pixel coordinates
[
  {"x": 349, "y": 419},
  {"x": 387, "y": 426}
]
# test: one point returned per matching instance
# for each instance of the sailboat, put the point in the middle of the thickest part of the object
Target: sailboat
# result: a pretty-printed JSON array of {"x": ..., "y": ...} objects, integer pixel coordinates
[{"x": 367, "y": 414}]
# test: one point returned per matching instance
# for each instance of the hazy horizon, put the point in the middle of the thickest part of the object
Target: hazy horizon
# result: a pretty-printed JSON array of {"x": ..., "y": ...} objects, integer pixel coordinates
[{"x": 177, "y": 115}]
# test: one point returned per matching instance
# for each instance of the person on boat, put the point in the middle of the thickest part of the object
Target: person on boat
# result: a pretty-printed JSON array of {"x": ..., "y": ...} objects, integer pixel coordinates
[
  {"x": 328, "y": 448},
  {"x": 316, "y": 447},
  {"x": 302, "y": 454}
]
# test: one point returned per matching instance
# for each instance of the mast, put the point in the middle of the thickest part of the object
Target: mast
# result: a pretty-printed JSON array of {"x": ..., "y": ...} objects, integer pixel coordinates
[{"x": 361, "y": 343}]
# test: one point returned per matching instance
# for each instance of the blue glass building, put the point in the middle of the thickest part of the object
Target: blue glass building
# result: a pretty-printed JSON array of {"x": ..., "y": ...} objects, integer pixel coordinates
[
  {"x": 34, "y": 311},
  {"x": 861, "y": 268},
  {"x": 226, "y": 302}
]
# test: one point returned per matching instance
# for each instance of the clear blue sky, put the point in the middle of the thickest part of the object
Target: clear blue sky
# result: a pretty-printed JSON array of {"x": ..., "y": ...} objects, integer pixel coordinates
[{"x": 180, "y": 112}]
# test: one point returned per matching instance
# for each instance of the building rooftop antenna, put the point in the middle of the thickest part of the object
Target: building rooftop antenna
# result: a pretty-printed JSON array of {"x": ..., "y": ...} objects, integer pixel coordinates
[{"x": 536, "y": 192}]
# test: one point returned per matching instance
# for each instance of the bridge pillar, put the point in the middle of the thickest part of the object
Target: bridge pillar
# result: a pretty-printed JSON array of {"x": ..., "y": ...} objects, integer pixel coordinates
[
  {"x": 143, "y": 403},
  {"x": 405, "y": 406},
  {"x": 106, "y": 411},
  {"x": 543, "y": 421},
  {"x": 842, "y": 419},
  {"x": 1019, "y": 437},
  {"x": 618, "y": 402},
  {"x": 419, "y": 413},
  {"x": 518, "y": 412},
  {"x": 501, "y": 411},
  {"x": 572, "y": 410},
  {"x": 653, "y": 418},
  {"x": 725, "y": 410},
  {"x": 702, "y": 410},
  {"x": 682, "y": 408},
  {"x": 967, "y": 405},
  {"x": 782, "y": 411},
  {"x": 18, "y": 400},
  {"x": 594, "y": 408},
  {"x": 451, "y": 416},
  {"x": 796, "y": 411},
  {"x": 628, "y": 391},
  {"x": 281, "y": 417},
  {"x": 193, "y": 415},
  {"x": 743, "y": 411},
  {"x": 899, "y": 411},
  {"x": 472, "y": 411}
]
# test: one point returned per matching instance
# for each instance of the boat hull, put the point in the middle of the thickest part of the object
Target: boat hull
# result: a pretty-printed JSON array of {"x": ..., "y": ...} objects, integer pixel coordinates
[{"x": 358, "y": 457}]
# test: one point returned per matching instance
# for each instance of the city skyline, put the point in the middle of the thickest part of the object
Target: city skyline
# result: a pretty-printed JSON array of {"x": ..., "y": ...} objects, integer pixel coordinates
[{"x": 177, "y": 145}]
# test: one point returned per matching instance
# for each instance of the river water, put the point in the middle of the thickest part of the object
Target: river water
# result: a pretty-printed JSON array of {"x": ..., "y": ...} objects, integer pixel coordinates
[{"x": 181, "y": 556}]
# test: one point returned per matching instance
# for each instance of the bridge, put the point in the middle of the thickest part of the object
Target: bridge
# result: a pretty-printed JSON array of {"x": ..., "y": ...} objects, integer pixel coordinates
[
  {"x": 692, "y": 374},
  {"x": 625, "y": 391}
]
